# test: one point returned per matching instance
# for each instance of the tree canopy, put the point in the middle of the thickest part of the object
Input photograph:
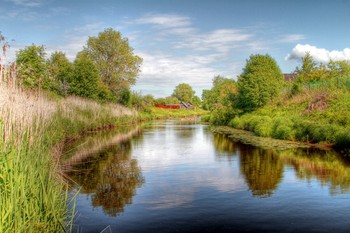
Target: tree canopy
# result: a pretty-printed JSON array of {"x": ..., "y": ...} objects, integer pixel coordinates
[
  {"x": 61, "y": 71},
  {"x": 33, "y": 67},
  {"x": 117, "y": 65},
  {"x": 184, "y": 92},
  {"x": 260, "y": 81}
]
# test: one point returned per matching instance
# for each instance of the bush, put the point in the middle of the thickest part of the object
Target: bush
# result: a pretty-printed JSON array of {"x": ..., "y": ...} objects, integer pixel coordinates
[
  {"x": 342, "y": 139},
  {"x": 237, "y": 123},
  {"x": 283, "y": 129},
  {"x": 263, "y": 127}
]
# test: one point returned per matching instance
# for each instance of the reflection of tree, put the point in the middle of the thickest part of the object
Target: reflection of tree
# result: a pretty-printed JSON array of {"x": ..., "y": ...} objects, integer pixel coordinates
[
  {"x": 112, "y": 176},
  {"x": 327, "y": 166},
  {"x": 185, "y": 132},
  {"x": 223, "y": 144},
  {"x": 262, "y": 170}
]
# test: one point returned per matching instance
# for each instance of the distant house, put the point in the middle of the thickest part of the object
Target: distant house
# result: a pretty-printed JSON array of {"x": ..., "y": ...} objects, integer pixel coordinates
[
  {"x": 186, "y": 105},
  {"x": 182, "y": 105},
  {"x": 290, "y": 77}
]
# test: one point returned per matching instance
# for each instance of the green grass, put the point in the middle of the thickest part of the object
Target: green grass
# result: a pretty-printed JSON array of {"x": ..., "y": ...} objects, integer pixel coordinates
[
  {"x": 33, "y": 198},
  {"x": 317, "y": 115},
  {"x": 160, "y": 113}
]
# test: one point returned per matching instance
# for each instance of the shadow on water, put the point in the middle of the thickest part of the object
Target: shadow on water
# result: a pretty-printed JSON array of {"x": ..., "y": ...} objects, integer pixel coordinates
[{"x": 104, "y": 168}]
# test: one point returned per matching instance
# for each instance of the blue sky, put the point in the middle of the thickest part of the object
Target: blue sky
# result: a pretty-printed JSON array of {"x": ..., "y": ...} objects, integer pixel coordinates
[{"x": 186, "y": 41}]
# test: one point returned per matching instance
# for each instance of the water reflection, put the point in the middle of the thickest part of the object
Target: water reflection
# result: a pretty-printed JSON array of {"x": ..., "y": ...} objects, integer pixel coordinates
[
  {"x": 110, "y": 175},
  {"x": 192, "y": 175},
  {"x": 328, "y": 167},
  {"x": 262, "y": 169}
]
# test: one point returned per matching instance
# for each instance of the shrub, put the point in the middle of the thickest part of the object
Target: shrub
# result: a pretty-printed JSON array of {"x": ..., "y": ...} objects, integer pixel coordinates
[
  {"x": 342, "y": 139},
  {"x": 237, "y": 123},
  {"x": 283, "y": 129},
  {"x": 264, "y": 127}
]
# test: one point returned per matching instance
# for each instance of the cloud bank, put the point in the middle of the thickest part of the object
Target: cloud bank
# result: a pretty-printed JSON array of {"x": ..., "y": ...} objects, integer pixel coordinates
[{"x": 319, "y": 54}]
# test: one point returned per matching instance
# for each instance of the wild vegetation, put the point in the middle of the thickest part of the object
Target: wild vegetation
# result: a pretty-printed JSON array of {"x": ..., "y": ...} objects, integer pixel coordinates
[
  {"x": 312, "y": 108},
  {"x": 46, "y": 103},
  {"x": 34, "y": 198}
]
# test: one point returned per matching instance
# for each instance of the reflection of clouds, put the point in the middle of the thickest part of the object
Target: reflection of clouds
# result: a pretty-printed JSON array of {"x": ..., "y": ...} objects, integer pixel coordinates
[
  {"x": 180, "y": 188},
  {"x": 178, "y": 168}
]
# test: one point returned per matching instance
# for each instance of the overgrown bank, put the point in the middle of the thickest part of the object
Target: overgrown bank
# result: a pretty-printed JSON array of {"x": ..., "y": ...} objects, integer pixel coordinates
[
  {"x": 312, "y": 108},
  {"x": 34, "y": 129},
  {"x": 33, "y": 197}
]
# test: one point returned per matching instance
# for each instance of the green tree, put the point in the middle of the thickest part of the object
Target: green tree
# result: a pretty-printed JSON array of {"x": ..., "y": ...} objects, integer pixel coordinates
[
  {"x": 260, "y": 81},
  {"x": 223, "y": 92},
  {"x": 33, "y": 67},
  {"x": 61, "y": 71},
  {"x": 196, "y": 101},
  {"x": 311, "y": 71},
  {"x": 85, "y": 78},
  {"x": 117, "y": 65},
  {"x": 171, "y": 100},
  {"x": 220, "y": 100},
  {"x": 184, "y": 92}
]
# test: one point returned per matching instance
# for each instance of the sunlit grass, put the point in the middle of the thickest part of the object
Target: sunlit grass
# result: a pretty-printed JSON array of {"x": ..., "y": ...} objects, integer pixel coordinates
[{"x": 33, "y": 197}]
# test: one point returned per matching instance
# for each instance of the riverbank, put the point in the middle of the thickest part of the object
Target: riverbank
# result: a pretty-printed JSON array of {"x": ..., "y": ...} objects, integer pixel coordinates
[
  {"x": 34, "y": 197},
  {"x": 317, "y": 116},
  {"x": 153, "y": 113},
  {"x": 35, "y": 128}
]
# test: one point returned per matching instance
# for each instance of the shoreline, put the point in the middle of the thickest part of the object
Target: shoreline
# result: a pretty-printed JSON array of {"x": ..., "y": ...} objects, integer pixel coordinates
[{"x": 248, "y": 137}]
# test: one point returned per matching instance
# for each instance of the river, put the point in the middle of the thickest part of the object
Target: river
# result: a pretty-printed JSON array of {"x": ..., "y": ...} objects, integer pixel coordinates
[{"x": 177, "y": 176}]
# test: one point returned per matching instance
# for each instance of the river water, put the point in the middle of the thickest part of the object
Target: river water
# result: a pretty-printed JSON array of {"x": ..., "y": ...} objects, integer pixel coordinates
[{"x": 176, "y": 176}]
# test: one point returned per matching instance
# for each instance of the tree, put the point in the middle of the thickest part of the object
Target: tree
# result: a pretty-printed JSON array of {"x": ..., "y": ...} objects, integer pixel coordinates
[
  {"x": 260, "y": 81},
  {"x": 85, "y": 78},
  {"x": 309, "y": 71},
  {"x": 61, "y": 71},
  {"x": 33, "y": 66},
  {"x": 184, "y": 92},
  {"x": 117, "y": 65},
  {"x": 220, "y": 100},
  {"x": 223, "y": 92}
]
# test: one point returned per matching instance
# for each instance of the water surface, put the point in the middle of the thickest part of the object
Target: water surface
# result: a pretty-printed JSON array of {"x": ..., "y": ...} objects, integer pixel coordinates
[{"x": 173, "y": 177}]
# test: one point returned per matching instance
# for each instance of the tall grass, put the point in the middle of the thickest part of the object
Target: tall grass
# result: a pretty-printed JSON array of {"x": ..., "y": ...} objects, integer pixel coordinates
[{"x": 33, "y": 197}]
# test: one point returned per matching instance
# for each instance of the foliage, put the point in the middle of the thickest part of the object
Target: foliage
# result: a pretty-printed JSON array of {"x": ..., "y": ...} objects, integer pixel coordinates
[
  {"x": 115, "y": 61},
  {"x": 85, "y": 78},
  {"x": 220, "y": 100},
  {"x": 184, "y": 92},
  {"x": 171, "y": 100},
  {"x": 223, "y": 92},
  {"x": 260, "y": 81},
  {"x": 33, "y": 67},
  {"x": 85, "y": 81},
  {"x": 61, "y": 71},
  {"x": 196, "y": 101}
]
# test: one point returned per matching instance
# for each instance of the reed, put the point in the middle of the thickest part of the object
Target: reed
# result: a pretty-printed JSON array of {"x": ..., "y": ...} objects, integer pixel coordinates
[{"x": 33, "y": 196}]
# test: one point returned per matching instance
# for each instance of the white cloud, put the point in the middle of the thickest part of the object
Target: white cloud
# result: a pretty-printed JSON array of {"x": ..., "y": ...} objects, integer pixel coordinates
[
  {"x": 292, "y": 38},
  {"x": 185, "y": 36},
  {"x": 319, "y": 54},
  {"x": 164, "y": 72},
  {"x": 28, "y": 3},
  {"x": 221, "y": 40},
  {"x": 165, "y": 20}
]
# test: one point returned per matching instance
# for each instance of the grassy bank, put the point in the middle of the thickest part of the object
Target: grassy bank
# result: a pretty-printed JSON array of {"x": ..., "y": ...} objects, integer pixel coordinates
[
  {"x": 153, "y": 113},
  {"x": 33, "y": 197},
  {"x": 319, "y": 115}
]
